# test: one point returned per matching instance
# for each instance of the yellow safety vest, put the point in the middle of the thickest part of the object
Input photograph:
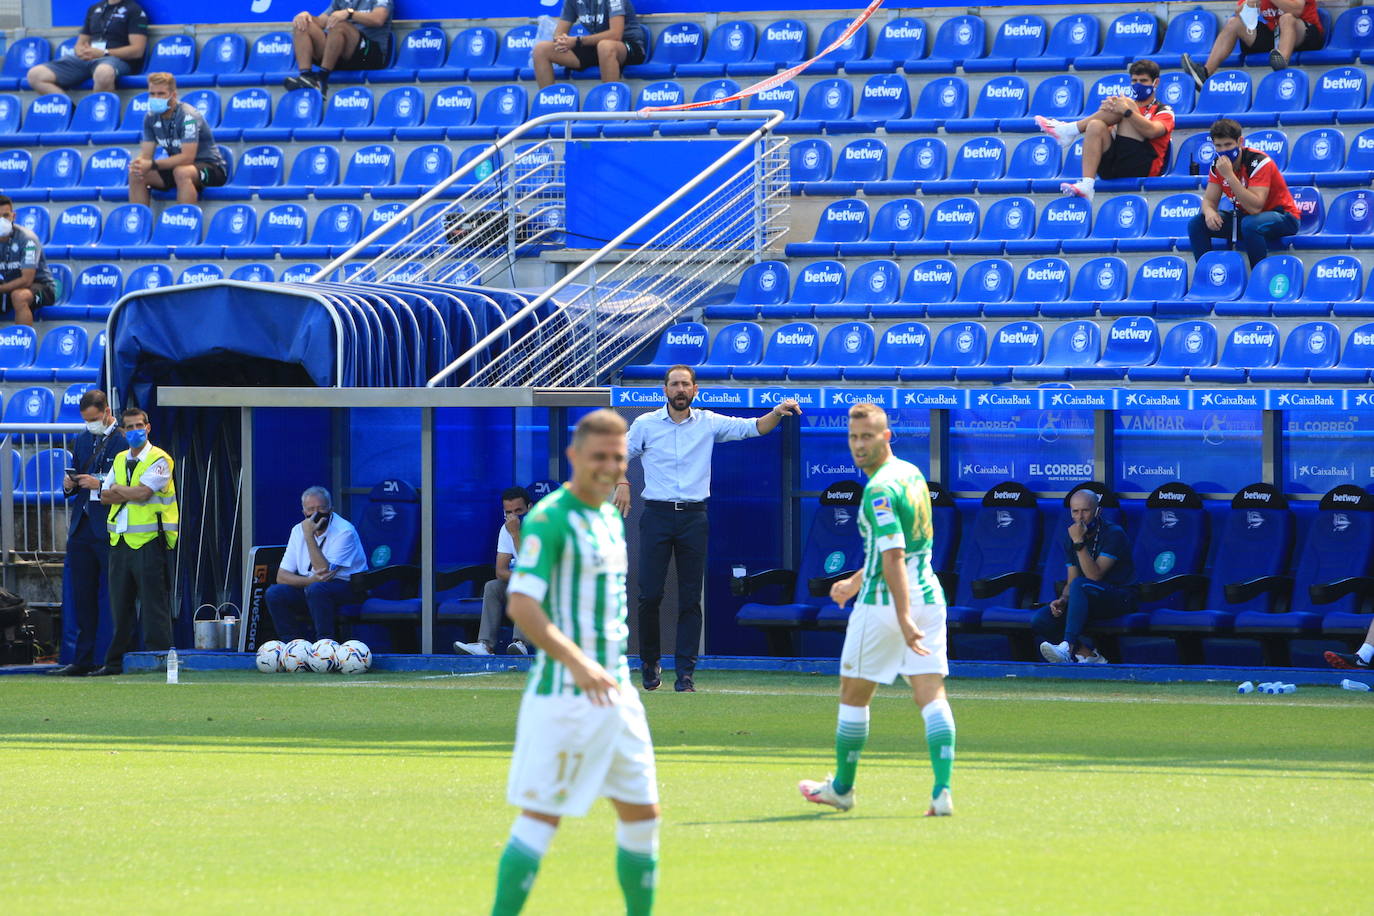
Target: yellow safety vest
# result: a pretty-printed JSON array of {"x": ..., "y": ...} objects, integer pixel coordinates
[{"x": 143, "y": 517}]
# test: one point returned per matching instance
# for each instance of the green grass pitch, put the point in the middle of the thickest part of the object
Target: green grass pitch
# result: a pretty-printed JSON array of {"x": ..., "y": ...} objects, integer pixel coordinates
[{"x": 236, "y": 792}]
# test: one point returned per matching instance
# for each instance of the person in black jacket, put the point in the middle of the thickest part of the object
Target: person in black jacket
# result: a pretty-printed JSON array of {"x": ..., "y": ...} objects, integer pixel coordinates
[{"x": 85, "y": 575}]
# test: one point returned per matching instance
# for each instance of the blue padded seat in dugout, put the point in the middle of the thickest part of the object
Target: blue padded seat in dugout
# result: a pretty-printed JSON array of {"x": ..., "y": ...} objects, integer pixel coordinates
[
  {"x": 230, "y": 228},
  {"x": 368, "y": 167},
  {"x": 389, "y": 526},
  {"x": 449, "y": 108},
  {"x": 905, "y": 344},
  {"x": 828, "y": 101},
  {"x": 1349, "y": 223},
  {"x": 1168, "y": 225},
  {"x": 958, "y": 39},
  {"x": 221, "y": 54},
  {"x": 425, "y": 167},
  {"x": 921, "y": 160},
  {"x": 1255, "y": 541},
  {"x": 730, "y": 43},
  {"x": 31, "y": 405},
  {"x": 1339, "y": 94},
  {"x": 846, "y": 345},
  {"x": 313, "y": 169},
  {"x": 1251, "y": 345},
  {"x": 683, "y": 344},
  {"x": 930, "y": 281},
  {"x": 175, "y": 228},
  {"x": 1021, "y": 343},
  {"x": 1019, "y": 38},
  {"x": 897, "y": 223},
  {"x": 1044, "y": 280},
  {"x": 1310, "y": 345},
  {"x": 63, "y": 348},
  {"x": 959, "y": 344},
  {"x": 271, "y": 58},
  {"x": 1159, "y": 282},
  {"x": 796, "y": 343},
  {"x": 21, "y": 55},
  {"x": 1008, "y": 219},
  {"x": 1273, "y": 143},
  {"x": 402, "y": 107},
  {"x": 1188, "y": 347},
  {"x": 833, "y": 545},
  {"x": 18, "y": 346},
  {"x": 255, "y": 272},
  {"x": 1059, "y": 96},
  {"x": 1002, "y": 541},
  {"x": 98, "y": 111},
  {"x": 884, "y": 97},
  {"x": 1170, "y": 539},
  {"x": 738, "y": 344}
]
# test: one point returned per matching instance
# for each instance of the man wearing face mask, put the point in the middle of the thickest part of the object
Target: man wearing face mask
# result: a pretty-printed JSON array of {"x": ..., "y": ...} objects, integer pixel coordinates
[
  {"x": 25, "y": 283},
  {"x": 1263, "y": 204},
  {"x": 322, "y": 556},
  {"x": 1128, "y": 136},
  {"x": 193, "y": 161},
  {"x": 1100, "y": 584},
  {"x": 142, "y": 526},
  {"x": 85, "y": 570}
]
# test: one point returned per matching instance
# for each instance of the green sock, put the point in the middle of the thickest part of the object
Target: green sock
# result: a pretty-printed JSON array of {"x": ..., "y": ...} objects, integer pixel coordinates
[
  {"x": 940, "y": 740},
  {"x": 850, "y": 736},
  {"x": 514, "y": 878},
  {"x": 638, "y": 875}
]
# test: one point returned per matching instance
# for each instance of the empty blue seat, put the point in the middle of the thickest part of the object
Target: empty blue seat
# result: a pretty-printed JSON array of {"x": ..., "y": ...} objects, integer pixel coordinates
[
  {"x": 176, "y": 227},
  {"x": 1176, "y": 90},
  {"x": 846, "y": 345},
  {"x": 200, "y": 273},
  {"x": 98, "y": 111},
  {"x": 98, "y": 285},
  {"x": 314, "y": 169},
  {"x": 899, "y": 40},
  {"x": 174, "y": 54},
  {"x": 1225, "y": 92},
  {"x": 502, "y": 108},
  {"x": 368, "y": 167},
  {"x": 221, "y": 55},
  {"x": 9, "y": 114},
  {"x": 811, "y": 161},
  {"x": 903, "y": 345},
  {"x": 425, "y": 167},
  {"x": 793, "y": 344},
  {"x": 106, "y": 174},
  {"x": 929, "y": 282},
  {"x": 47, "y": 115},
  {"x": 961, "y": 344},
  {"x": 983, "y": 282},
  {"x": 955, "y": 219},
  {"x": 256, "y": 272},
  {"x": 884, "y": 97},
  {"x": 1007, "y": 219},
  {"x": 296, "y": 109},
  {"x": 1274, "y": 280},
  {"x": 921, "y": 160},
  {"x": 1273, "y": 143},
  {"x": 1063, "y": 218},
  {"x": 1019, "y": 39},
  {"x": 1218, "y": 277},
  {"x": 1355, "y": 363},
  {"x": 1360, "y": 162},
  {"x": 941, "y": 100},
  {"x": 18, "y": 346},
  {"x": 1316, "y": 154},
  {"x": 401, "y": 108},
  {"x": 271, "y": 58},
  {"x": 1191, "y": 32},
  {"x": 677, "y": 43},
  {"x": 853, "y": 48},
  {"x": 785, "y": 98},
  {"x": 1020, "y": 343},
  {"x": 1251, "y": 345},
  {"x": 258, "y": 167},
  {"x": 20, "y": 56},
  {"x": 604, "y": 97},
  {"x": 896, "y": 225},
  {"x": 1044, "y": 280},
  {"x": 738, "y": 344},
  {"x": 1158, "y": 281},
  {"x": 780, "y": 45},
  {"x": 1003, "y": 98},
  {"x": 858, "y": 162},
  {"x": 1121, "y": 216},
  {"x": 125, "y": 227},
  {"x": 683, "y": 344},
  {"x": 1281, "y": 92},
  {"x": 1073, "y": 36},
  {"x": 280, "y": 228},
  {"x": 731, "y": 43},
  {"x": 1311, "y": 345},
  {"x": 58, "y": 168},
  {"x": 76, "y": 225},
  {"x": 1131, "y": 341},
  {"x": 451, "y": 107},
  {"x": 337, "y": 228},
  {"x": 63, "y": 348},
  {"x": 556, "y": 99},
  {"x": 245, "y": 109},
  {"x": 299, "y": 273},
  {"x": 421, "y": 49},
  {"x": 1349, "y": 223},
  {"x": 16, "y": 170},
  {"x": 958, "y": 39},
  {"x": 1349, "y": 36},
  {"x": 1337, "y": 95},
  {"x": 380, "y": 217},
  {"x": 1189, "y": 346},
  {"x": 873, "y": 283},
  {"x": 475, "y": 46},
  {"x": 207, "y": 102},
  {"x": 31, "y": 405},
  {"x": 1099, "y": 285},
  {"x": 980, "y": 159},
  {"x": 1129, "y": 37},
  {"x": 1073, "y": 353},
  {"x": 1034, "y": 165},
  {"x": 1168, "y": 225},
  {"x": 348, "y": 108},
  {"x": 829, "y": 101},
  {"x": 818, "y": 283},
  {"x": 1059, "y": 96},
  {"x": 149, "y": 276},
  {"x": 1334, "y": 281},
  {"x": 708, "y": 91},
  {"x": 764, "y": 283},
  {"x": 842, "y": 221}
]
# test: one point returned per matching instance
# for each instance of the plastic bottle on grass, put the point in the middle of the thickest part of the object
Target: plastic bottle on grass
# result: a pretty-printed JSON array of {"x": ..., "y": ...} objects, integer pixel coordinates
[
  {"x": 1247, "y": 687},
  {"x": 1348, "y": 684},
  {"x": 173, "y": 666}
]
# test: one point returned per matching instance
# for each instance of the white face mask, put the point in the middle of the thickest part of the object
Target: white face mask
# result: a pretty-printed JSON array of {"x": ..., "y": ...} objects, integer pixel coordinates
[
  {"x": 96, "y": 427},
  {"x": 6, "y": 227}
]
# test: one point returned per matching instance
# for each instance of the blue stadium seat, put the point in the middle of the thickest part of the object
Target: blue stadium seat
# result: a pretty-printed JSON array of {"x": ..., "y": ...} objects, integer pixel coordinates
[
  {"x": 1099, "y": 285},
  {"x": 1131, "y": 341},
  {"x": 475, "y": 46},
  {"x": 818, "y": 283},
  {"x": 859, "y": 161},
  {"x": 174, "y": 54},
  {"x": 1059, "y": 96},
  {"x": 1019, "y": 39},
  {"x": 960, "y": 344},
  {"x": 785, "y": 98},
  {"x": 1034, "y": 164},
  {"x": 200, "y": 273},
  {"x": 271, "y": 58},
  {"x": 884, "y": 97},
  {"x": 993, "y": 558},
  {"x": 207, "y": 102},
  {"x": 1189, "y": 346},
  {"x": 1105, "y": 87},
  {"x": 1333, "y": 282},
  {"x": 450, "y": 107},
  {"x": 96, "y": 112},
  {"x": 281, "y": 228},
  {"x": 903, "y": 345},
  {"x": 873, "y": 283},
  {"x": 76, "y": 225},
  {"x": 1121, "y": 216},
  {"x": 1355, "y": 363},
  {"x": 402, "y": 107},
  {"x": 85, "y": 374},
  {"x": 502, "y": 108},
  {"x": 63, "y": 348},
  {"x": 933, "y": 281},
  {"x": 1073, "y": 36},
  {"x": 853, "y": 48},
  {"x": 349, "y": 108},
  {"x": 314, "y": 169},
  {"x": 1226, "y": 92},
  {"x": 683, "y": 344},
  {"x": 16, "y": 171},
  {"x": 482, "y": 169},
  {"x": 368, "y": 167},
  {"x": 258, "y": 167},
  {"x": 1219, "y": 276},
  {"x": 1311, "y": 345},
  {"x": 9, "y": 114},
  {"x": 706, "y": 92},
  {"x": 1194, "y": 154},
  {"x": 780, "y": 45},
  {"x": 941, "y": 100},
  {"x": 1348, "y": 36},
  {"x": 764, "y": 283},
  {"x": 1130, "y": 36},
  {"x": 1311, "y": 216},
  {"x": 296, "y": 109},
  {"x": 959, "y": 39},
  {"x": 175, "y": 227},
  {"x": 22, "y": 54},
  {"x": 811, "y": 161},
  {"x": 379, "y": 217},
  {"x": 245, "y": 109},
  {"x": 979, "y": 159},
  {"x": 1317, "y": 154},
  {"x": 846, "y": 345},
  {"x": 18, "y": 346},
  {"x": 1276, "y": 279},
  {"x": 1349, "y": 223},
  {"x": 1190, "y": 32},
  {"x": 738, "y": 344},
  {"x": 97, "y": 286},
  {"x": 43, "y": 474},
  {"x": 1168, "y": 226},
  {"x": 1176, "y": 90},
  {"x": 829, "y": 101},
  {"x": 1002, "y": 98},
  {"x": 1009, "y": 218},
  {"x": 917, "y": 161},
  {"x": 420, "y": 50},
  {"x": 606, "y": 97},
  {"x": 899, "y": 40},
  {"x": 425, "y": 167},
  {"x": 1159, "y": 281},
  {"x": 677, "y": 43},
  {"x": 1273, "y": 143},
  {"x": 60, "y": 169},
  {"x": 1013, "y": 345},
  {"x": 221, "y": 54},
  {"x": 45, "y": 121},
  {"x": 1251, "y": 345},
  {"x": 555, "y": 99},
  {"x": 1064, "y": 218},
  {"x": 1281, "y": 92},
  {"x": 986, "y": 281},
  {"x": 31, "y": 405},
  {"x": 896, "y": 224},
  {"x": 843, "y": 221},
  {"x": 1337, "y": 95},
  {"x": 337, "y": 228},
  {"x": 1042, "y": 281},
  {"x": 255, "y": 272},
  {"x": 1170, "y": 542},
  {"x": 125, "y": 226},
  {"x": 106, "y": 175},
  {"x": 955, "y": 219},
  {"x": 1360, "y": 162},
  {"x": 149, "y": 276},
  {"x": 299, "y": 273},
  {"x": 62, "y": 280},
  {"x": 1073, "y": 353},
  {"x": 731, "y": 43}
]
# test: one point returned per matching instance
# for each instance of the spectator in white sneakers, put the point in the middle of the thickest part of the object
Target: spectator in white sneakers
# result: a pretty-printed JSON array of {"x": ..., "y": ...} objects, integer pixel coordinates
[
  {"x": 515, "y": 502},
  {"x": 1127, "y": 137}
]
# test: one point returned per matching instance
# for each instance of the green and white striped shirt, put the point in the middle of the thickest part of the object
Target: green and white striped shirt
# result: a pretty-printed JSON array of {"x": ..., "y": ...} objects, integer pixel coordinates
[
  {"x": 896, "y": 513},
  {"x": 572, "y": 561}
]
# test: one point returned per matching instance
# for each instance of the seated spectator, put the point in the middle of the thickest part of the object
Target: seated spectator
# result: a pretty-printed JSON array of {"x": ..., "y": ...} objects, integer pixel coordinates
[
  {"x": 350, "y": 35},
  {"x": 1362, "y": 658},
  {"x": 1100, "y": 584},
  {"x": 25, "y": 284},
  {"x": 1128, "y": 137},
  {"x": 1277, "y": 26},
  {"x": 515, "y": 502},
  {"x": 321, "y": 558},
  {"x": 617, "y": 40},
  {"x": 1254, "y": 183},
  {"x": 110, "y": 45},
  {"x": 193, "y": 161}
]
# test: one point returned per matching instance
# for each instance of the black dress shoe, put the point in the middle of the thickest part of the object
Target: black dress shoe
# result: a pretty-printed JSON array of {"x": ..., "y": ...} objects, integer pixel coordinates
[
  {"x": 104, "y": 670},
  {"x": 684, "y": 684},
  {"x": 71, "y": 671},
  {"x": 652, "y": 676}
]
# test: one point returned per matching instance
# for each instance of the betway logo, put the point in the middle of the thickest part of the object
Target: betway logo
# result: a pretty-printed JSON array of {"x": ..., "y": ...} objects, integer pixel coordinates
[
  {"x": 903, "y": 31},
  {"x": 776, "y": 95},
  {"x": 1362, "y": 339},
  {"x": 1341, "y": 82},
  {"x": 1258, "y": 495},
  {"x": 681, "y": 38},
  {"x": 1337, "y": 273},
  {"x": 1173, "y": 496},
  {"x": 1129, "y": 334},
  {"x": 882, "y": 92},
  {"x": 248, "y": 102},
  {"x": 932, "y": 276},
  {"x": 372, "y": 158},
  {"x": 13, "y": 165},
  {"x": 262, "y": 159},
  {"x": 686, "y": 339},
  {"x": 275, "y": 46},
  {"x": 520, "y": 41},
  {"x": 906, "y": 338},
  {"x": 822, "y": 276},
  {"x": 981, "y": 152},
  {"x": 863, "y": 153},
  {"x": 847, "y": 216},
  {"x": 1134, "y": 28},
  {"x": 1353, "y": 498},
  {"x": 184, "y": 220},
  {"x": 1161, "y": 273},
  {"x": 432, "y": 42},
  {"x": 108, "y": 161},
  {"x": 1253, "y": 338},
  {"x": 797, "y": 337},
  {"x": 660, "y": 95},
  {"x": 1022, "y": 30},
  {"x": 351, "y": 101},
  {"x": 81, "y": 218},
  {"x": 1233, "y": 86},
  {"x": 101, "y": 279},
  {"x": 14, "y": 340},
  {"x": 1002, "y": 494},
  {"x": 1046, "y": 273},
  {"x": 285, "y": 219},
  {"x": 1018, "y": 337},
  {"x": 1179, "y": 211},
  {"x": 1005, "y": 92},
  {"x": 1364, "y": 143},
  {"x": 453, "y": 101},
  {"x": 954, "y": 216},
  {"x": 176, "y": 50},
  {"x": 783, "y": 34},
  {"x": 49, "y": 107},
  {"x": 1066, "y": 216}
]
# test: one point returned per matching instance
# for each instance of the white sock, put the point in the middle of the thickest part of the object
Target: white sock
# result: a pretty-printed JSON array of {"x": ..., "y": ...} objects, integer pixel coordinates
[
  {"x": 1087, "y": 183},
  {"x": 638, "y": 836},
  {"x": 854, "y": 714},
  {"x": 532, "y": 834},
  {"x": 1366, "y": 654},
  {"x": 938, "y": 711}
]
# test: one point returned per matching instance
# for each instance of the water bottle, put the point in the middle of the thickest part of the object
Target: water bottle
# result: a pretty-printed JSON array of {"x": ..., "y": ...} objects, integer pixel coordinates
[
  {"x": 1247, "y": 687},
  {"x": 1348, "y": 684},
  {"x": 173, "y": 666},
  {"x": 544, "y": 27},
  {"x": 1288, "y": 688}
]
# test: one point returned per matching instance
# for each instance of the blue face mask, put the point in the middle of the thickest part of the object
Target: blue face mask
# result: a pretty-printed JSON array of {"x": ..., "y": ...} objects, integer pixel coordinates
[
  {"x": 1232, "y": 154},
  {"x": 1142, "y": 91},
  {"x": 137, "y": 438},
  {"x": 158, "y": 106}
]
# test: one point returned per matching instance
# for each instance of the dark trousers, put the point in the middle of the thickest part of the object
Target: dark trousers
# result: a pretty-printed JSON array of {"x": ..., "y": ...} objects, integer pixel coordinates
[
  {"x": 665, "y": 533},
  {"x": 140, "y": 586},
  {"x": 1088, "y": 601},
  {"x": 85, "y": 590},
  {"x": 313, "y": 610},
  {"x": 1258, "y": 232}
]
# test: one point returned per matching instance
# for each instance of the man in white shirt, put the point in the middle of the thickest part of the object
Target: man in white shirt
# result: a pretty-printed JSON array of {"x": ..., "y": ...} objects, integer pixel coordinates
[
  {"x": 515, "y": 503},
  {"x": 322, "y": 556},
  {"x": 675, "y": 444}
]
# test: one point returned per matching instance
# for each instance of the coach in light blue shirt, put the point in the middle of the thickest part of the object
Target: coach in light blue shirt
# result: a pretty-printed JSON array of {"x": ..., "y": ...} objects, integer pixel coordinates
[{"x": 674, "y": 444}]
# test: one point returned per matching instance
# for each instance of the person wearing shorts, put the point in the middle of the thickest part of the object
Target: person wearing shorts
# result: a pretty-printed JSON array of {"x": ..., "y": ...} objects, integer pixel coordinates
[
  {"x": 193, "y": 161},
  {"x": 1127, "y": 137},
  {"x": 350, "y": 35},
  {"x": 581, "y": 733},
  {"x": 25, "y": 283},
  {"x": 617, "y": 40},
  {"x": 110, "y": 45},
  {"x": 1277, "y": 26},
  {"x": 897, "y": 626}
]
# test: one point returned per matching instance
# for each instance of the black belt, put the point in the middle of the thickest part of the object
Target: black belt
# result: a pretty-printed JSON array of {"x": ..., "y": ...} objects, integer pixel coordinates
[{"x": 674, "y": 506}]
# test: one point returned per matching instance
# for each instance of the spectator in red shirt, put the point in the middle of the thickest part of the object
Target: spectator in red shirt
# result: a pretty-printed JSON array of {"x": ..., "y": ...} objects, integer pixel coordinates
[
  {"x": 1253, "y": 182},
  {"x": 1128, "y": 137},
  {"x": 1277, "y": 26}
]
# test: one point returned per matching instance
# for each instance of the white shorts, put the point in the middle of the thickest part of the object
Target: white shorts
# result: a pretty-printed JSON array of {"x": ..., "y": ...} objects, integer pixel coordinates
[
  {"x": 874, "y": 649},
  {"x": 569, "y": 752}
]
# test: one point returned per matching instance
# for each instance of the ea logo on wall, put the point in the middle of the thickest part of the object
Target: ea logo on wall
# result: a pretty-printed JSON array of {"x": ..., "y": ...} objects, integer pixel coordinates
[
  {"x": 1317, "y": 342},
  {"x": 877, "y": 281},
  {"x": 741, "y": 341},
  {"x": 852, "y": 341},
  {"x": 903, "y": 222},
  {"x": 832, "y": 97},
  {"x": 925, "y": 157},
  {"x": 1106, "y": 277},
  {"x": 992, "y": 279},
  {"x": 1079, "y": 341},
  {"x": 964, "y": 34},
  {"x": 1216, "y": 275},
  {"x": 964, "y": 342},
  {"x": 948, "y": 96},
  {"x": 767, "y": 280},
  {"x": 1061, "y": 97},
  {"x": 811, "y": 158},
  {"x": 1192, "y": 341}
]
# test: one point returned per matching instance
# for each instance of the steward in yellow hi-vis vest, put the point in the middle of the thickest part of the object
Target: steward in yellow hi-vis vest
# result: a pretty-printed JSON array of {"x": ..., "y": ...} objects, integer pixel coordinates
[{"x": 143, "y": 530}]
